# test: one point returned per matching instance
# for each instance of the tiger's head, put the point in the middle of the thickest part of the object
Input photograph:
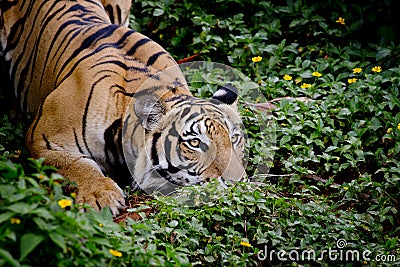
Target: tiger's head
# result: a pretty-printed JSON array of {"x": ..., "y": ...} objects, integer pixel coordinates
[{"x": 188, "y": 140}]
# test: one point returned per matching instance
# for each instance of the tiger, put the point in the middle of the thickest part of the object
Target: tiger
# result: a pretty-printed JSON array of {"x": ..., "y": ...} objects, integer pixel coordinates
[{"x": 84, "y": 77}]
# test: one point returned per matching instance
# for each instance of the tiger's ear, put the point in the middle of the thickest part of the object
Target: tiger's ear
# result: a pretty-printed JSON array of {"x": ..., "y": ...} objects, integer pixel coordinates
[
  {"x": 227, "y": 94},
  {"x": 150, "y": 109}
]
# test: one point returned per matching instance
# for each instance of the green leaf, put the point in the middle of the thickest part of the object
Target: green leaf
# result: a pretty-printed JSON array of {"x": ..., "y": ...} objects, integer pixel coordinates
[
  {"x": 240, "y": 208},
  {"x": 374, "y": 124},
  {"x": 59, "y": 240},
  {"x": 218, "y": 217},
  {"x": 7, "y": 190},
  {"x": 28, "y": 243},
  {"x": 101, "y": 241},
  {"x": 6, "y": 216},
  {"x": 22, "y": 208},
  {"x": 173, "y": 223},
  {"x": 285, "y": 139},
  {"x": 209, "y": 258},
  {"x": 382, "y": 53},
  {"x": 158, "y": 12},
  {"x": 344, "y": 112},
  {"x": 306, "y": 63},
  {"x": 331, "y": 148},
  {"x": 9, "y": 170},
  {"x": 5, "y": 255},
  {"x": 41, "y": 223},
  {"x": 42, "y": 212}
]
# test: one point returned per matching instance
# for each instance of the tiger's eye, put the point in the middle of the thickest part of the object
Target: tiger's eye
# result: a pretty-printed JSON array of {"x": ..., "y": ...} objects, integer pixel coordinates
[
  {"x": 194, "y": 142},
  {"x": 234, "y": 138}
]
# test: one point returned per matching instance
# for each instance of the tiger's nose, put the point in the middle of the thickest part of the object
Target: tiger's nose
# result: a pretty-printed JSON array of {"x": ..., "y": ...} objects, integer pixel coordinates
[
  {"x": 228, "y": 169},
  {"x": 234, "y": 171}
]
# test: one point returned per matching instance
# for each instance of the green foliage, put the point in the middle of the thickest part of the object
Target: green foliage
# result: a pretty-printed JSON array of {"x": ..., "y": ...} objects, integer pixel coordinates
[
  {"x": 230, "y": 229},
  {"x": 336, "y": 168}
]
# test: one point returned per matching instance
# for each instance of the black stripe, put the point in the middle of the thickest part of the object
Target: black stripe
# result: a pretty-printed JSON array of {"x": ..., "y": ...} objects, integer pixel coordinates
[
  {"x": 111, "y": 143},
  {"x": 110, "y": 13},
  {"x": 179, "y": 98},
  {"x": 166, "y": 176},
  {"x": 154, "y": 58},
  {"x": 119, "y": 44},
  {"x": 56, "y": 38},
  {"x": 167, "y": 143},
  {"x": 147, "y": 91},
  {"x": 121, "y": 90},
  {"x": 138, "y": 44},
  {"x": 171, "y": 168},
  {"x": 84, "y": 117},
  {"x": 132, "y": 133},
  {"x": 118, "y": 63},
  {"x": 38, "y": 116},
  {"x": 154, "y": 154},
  {"x": 173, "y": 132},
  {"x": 195, "y": 123},
  {"x": 22, "y": 75},
  {"x": 12, "y": 39},
  {"x": 126, "y": 123},
  {"x": 38, "y": 40},
  {"x": 194, "y": 115},
  {"x": 118, "y": 73},
  {"x": 185, "y": 112},
  {"x": 75, "y": 31},
  {"x": 87, "y": 42},
  {"x": 48, "y": 145},
  {"x": 192, "y": 173},
  {"x": 119, "y": 15},
  {"x": 77, "y": 141}
]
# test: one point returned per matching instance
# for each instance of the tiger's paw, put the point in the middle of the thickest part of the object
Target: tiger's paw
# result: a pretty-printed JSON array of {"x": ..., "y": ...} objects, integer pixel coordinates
[{"x": 102, "y": 193}]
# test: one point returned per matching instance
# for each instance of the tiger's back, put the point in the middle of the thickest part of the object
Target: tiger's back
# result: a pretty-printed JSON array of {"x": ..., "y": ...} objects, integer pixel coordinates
[
  {"x": 80, "y": 57},
  {"x": 78, "y": 73},
  {"x": 74, "y": 38}
]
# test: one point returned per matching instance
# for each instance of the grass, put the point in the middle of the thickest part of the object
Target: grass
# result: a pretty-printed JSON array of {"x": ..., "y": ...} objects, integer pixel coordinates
[{"x": 334, "y": 177}]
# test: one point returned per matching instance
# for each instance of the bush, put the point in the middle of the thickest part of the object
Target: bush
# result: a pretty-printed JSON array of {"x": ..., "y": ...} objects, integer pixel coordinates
[{"x": 41, "y": 226}]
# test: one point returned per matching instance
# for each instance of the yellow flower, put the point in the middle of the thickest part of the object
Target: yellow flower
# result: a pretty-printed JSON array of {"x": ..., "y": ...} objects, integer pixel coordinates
[
  {"x": 73, "y": 195},
  {"x": 100, "y": 224},
  {"x": 357, "y": 70},
  {"x": 15, "y": 221},
  {"x": 377, "y": 69},
  {"x": 17, "y": 153},
  {"x": 316, "y": 74},
  {"x": 287, "y": 77},
  {"x": 398, "y": 126},
  {"x": 115, "y": 253},
  {"x": 390, "y": 130},
  {"x": 256, "y": 59},
  {"x": 63, "y": 203},
  {"x": 245, "y": 244},
  {"x": 353, "y": 80},
  {"x": 305, "y": 85},
  {"x": 340, "y": 21},
  {"x": 345, "y": 188}
]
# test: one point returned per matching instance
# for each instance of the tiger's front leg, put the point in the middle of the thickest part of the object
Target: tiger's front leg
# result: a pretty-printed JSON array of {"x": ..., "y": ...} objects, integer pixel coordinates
[
  {"x": 57, "y": 136},
  {"x": 94, "y": 188}
]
